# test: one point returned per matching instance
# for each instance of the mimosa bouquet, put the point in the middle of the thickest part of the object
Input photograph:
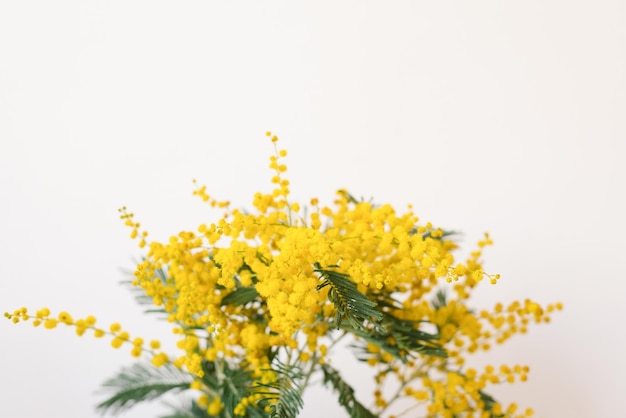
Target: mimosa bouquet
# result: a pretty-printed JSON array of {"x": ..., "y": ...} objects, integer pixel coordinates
[{"x": 259, "y": 300}]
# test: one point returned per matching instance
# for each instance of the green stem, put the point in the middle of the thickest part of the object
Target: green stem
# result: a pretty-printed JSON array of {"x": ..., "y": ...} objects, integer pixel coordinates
[
  {"x": 409, "y": 409},
  {"x": 416, "y": 374},
  {"x": 307, "y": 377}
]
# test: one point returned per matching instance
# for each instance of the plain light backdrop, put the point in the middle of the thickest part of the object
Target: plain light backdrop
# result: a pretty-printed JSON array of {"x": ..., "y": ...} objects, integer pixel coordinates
[{"x": 499, "y": 116}]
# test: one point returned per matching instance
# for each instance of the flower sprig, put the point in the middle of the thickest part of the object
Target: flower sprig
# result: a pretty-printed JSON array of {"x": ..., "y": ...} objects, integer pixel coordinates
[
  {"x": 259, "y": 299},
  {"x": 119, "y": 338}
]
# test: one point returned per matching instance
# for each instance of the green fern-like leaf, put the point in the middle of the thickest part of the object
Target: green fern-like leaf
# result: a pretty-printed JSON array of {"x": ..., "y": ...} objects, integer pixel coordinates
[
  {"x": 489, "y": 402},
  {"x": 240, "y": 296},
  {"x": 408, "y": 338},
  {"x": 407, "y": 341},
  {"x": 284, "y": 396},
  {"x": 142, "y": 382},
  {"x": 234, "y": 386},
  {"x": 289, "y": 403},
  {"x": 346, "y": 393},
  {"x": 349, "y": 303},
  {"x": 401, "y": 338}
]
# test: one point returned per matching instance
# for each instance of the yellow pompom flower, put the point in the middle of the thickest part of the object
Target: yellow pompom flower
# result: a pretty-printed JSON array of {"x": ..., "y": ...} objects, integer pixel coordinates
[
  {"x": 215, "y": 407},
  {"x": 50, "y": 323}
]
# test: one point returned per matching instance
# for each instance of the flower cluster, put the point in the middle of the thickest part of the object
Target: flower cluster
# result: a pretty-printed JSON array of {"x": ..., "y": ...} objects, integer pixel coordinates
[
  {"x": 81, "y": 326},
  {"x": 259, "y": 299}
]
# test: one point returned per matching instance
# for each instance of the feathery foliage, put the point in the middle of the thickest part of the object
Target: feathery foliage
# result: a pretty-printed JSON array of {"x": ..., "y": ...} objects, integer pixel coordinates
[
  {"x": 346, "y": 393},
  {"x": 241, "y": 296},
  {"x": 349, "y": 303},
  {"x": 284, "y": 395},
  {"x": 233, "y": 384},
  {"x": 141, "y": 382}
]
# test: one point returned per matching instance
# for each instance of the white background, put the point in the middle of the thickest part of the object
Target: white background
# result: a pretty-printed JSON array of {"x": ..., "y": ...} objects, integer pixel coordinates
[{"x": 499, "y": 116}]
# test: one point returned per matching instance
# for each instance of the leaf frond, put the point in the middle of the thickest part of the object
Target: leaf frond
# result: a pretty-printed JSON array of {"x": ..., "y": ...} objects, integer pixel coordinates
[
  {"x": 489, "y": 402},
  {"x": 284, "y": 395},
  {"x": 235, "y": 386},
  {"x": 240, "y": 296},
  {"x": 139, "y": 383},
  {"x": 349, "y": 303},
  {"x": 401, "y": 338},
  {"x": 346, "y": 393}
]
